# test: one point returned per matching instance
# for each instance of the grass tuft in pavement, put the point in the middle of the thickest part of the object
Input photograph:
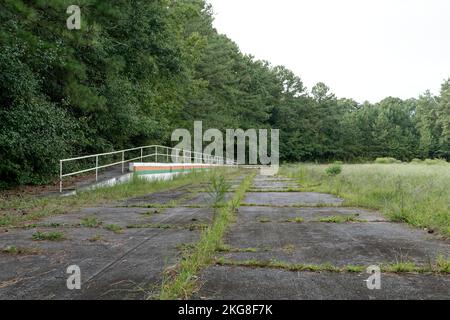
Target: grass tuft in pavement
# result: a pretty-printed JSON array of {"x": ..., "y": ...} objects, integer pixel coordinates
[
  {"x": 441, "y": 266},
  {"x": 114, "y": 228},
  {"x": 90, "y": 222},
  {"x": 13, "y": 250},
  {"x": 48, "y": 236},
  {"x": 340, "y": 219}
]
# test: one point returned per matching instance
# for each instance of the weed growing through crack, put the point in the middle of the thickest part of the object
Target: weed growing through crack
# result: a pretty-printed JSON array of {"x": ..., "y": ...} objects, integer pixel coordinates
[
  {"x": 90, "y": 222},
  {"x": 48, "y": 236},
  {"x": 288, "y": 249},
  {"x": 114, "y": 228},
  {"x": 443, "y": 264},
  {"x": 217, "y": 190},
  {"x": 340, "y": 219},
  {"x": 96, "y": 238},
  {"x": 229, "y": 249},
  {"x": 13, "y": 250},
  {"x": 440, "y": 267},
  {"x": 401, "y": 267},
  {"x": 150, "y": 226},
  {"x": 295, "y": 220}
]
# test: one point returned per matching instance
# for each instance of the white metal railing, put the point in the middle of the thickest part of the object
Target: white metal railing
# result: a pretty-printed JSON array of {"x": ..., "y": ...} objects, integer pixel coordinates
[{"x": 166, "y": 154}]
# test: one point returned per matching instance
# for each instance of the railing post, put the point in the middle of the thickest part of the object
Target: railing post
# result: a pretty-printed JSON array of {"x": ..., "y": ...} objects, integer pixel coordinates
[
  {"x": 156, "y": 151},
  {"x": 167, "y": 154},
  {"x": 123, "y": 162},
  {"x": 96, "y": 168},
  {"x": 142, "y": 154},
  {"x": 60, "y": 175}
]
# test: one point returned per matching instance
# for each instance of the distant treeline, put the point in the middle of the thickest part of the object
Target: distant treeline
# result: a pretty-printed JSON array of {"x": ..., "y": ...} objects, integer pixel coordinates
[{"x": 138, "y": 69}]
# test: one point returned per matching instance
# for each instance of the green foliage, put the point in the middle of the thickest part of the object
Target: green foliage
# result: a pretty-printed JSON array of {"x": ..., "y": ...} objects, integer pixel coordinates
[
  {"x": 114, "y": 228},
  {"x": 138, "y": 69},
  {"x": 386, "y": 160},
  {"x": 339, "y": 219},
  {"x": 90, "y": 222},
  {"x": 435, "y": 162},
  {"x": 13, "y": 250},
  {"x": 48, "y": 236},
  {"x": 296, "y": 220},
  {"x": 218, "y": 188},
  {"x": 334, "y": 170}
]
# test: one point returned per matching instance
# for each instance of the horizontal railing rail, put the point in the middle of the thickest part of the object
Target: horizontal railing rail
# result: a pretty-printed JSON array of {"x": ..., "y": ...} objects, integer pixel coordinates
[{"x": 166, "y": 153}]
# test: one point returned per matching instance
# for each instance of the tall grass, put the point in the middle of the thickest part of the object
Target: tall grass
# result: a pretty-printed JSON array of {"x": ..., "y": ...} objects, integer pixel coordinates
[{"x": 418, "y": 194}]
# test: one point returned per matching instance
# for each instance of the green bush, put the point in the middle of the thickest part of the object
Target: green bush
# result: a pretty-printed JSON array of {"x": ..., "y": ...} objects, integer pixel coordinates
[
  {"x": 33, "y": 137},
  {"x": 333, "y": 170},
  {"x": 387, "y": 160},
  {"x": 416, "y": 161}
]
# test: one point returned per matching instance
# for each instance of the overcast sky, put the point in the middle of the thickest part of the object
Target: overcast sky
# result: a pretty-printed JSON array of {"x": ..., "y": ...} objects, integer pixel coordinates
[{"x": 362, "y": 49}]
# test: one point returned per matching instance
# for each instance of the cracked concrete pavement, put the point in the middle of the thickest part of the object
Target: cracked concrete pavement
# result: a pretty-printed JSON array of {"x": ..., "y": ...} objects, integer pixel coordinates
[{"x": 285, "y": 227}]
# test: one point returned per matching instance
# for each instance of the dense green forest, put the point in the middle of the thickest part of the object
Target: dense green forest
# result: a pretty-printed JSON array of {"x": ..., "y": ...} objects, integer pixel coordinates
[{"x": 138, "y": 69}]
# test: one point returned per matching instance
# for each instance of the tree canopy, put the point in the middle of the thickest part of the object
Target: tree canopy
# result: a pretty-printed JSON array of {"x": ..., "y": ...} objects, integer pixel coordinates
[{"x": 139, "y": 69}]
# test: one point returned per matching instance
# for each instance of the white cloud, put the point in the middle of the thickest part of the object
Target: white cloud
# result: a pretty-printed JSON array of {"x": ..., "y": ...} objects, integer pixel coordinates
[{"x": 363, "y": 49}]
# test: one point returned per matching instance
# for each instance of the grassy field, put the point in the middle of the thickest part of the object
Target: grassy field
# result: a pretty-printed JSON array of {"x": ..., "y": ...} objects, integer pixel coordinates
[
  {"x": 418, "y": 194},
  {"x": 17, "y": 210}
]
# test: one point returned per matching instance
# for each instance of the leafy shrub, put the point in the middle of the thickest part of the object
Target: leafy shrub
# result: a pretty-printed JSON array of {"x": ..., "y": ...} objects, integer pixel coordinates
[
  {"x": 33, "y": 137},
  {"x": 333, "y": 170},
  {"x": 387, "y": 160},
  {"x": 416, "y": 161}
]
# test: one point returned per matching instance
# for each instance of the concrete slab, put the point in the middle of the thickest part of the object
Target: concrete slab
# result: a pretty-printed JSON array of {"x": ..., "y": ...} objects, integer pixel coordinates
[
  {"x": 308, "y": 214},
  {"x": 273, "y": 184},
  {"x": 236, "y": 283},
  {"x": 130, "y": 216},
  {"x": 260, "y": 177},
  {"x": 203, "y": 199},
  {"x": 183, "y": 216},
  {"x": 290, "y": 198},
  {"x": 338, "y": 244},
  {"x": 138, "y": 275},
  {"x": 126, "y": 265},
  {"x": 163, "y": 197},
  {"x": 121, "y": 216}
]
